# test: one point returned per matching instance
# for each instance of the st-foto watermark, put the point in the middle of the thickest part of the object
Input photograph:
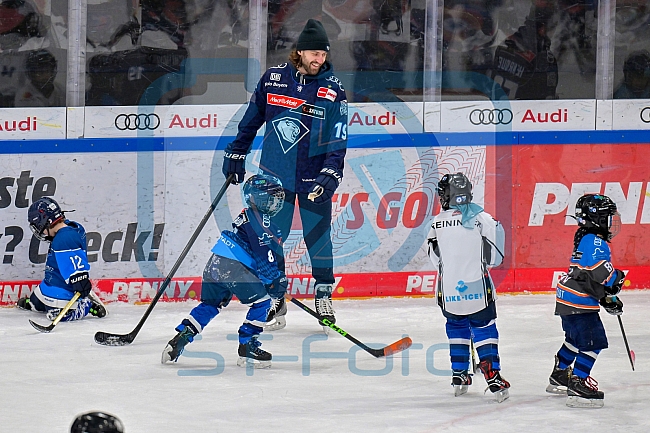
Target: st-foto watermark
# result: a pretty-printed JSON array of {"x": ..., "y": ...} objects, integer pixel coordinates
[{"x": 309, "y": 355}]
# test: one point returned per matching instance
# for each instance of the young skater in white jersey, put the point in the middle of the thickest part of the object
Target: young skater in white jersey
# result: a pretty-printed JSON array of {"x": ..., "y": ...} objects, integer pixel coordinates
[{"x": 464, "y": 241}]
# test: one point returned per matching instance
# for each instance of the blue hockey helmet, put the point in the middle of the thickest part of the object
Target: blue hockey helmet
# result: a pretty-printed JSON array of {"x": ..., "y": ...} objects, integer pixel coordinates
[
  {"x": 265, "y": 193},
  {"x": 97, "y": 422},
  {"x": 598, "y": 212},
  {"x": 43, "y": 214},
  {"x": 454, "y": 189}
]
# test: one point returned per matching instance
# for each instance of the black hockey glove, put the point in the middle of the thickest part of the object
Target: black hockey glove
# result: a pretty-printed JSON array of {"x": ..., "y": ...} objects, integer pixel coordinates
[
  {"x": 81, "y": 283},
  {"x": 615, "y": 288},
  {"x": 324, "y": 186},
  {"x": 234, "y": 163},
  {"x": 613, "y": 306},
  {"x": 278, "y": 287}
]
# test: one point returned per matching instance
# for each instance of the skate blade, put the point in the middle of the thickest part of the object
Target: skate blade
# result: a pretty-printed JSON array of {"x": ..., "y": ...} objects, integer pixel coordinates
[
  {"x": 581, "y": 402},
  {"x": 460, "y": 390},
  {"x": 501, "y": 395},
  {"x": 166, "y": 357},
  {"x": 247, "y": 362},
  {"x": 556, "y": 389},
  {"x": 277, "y": 324},
  {"x": 326, "y": 330}
]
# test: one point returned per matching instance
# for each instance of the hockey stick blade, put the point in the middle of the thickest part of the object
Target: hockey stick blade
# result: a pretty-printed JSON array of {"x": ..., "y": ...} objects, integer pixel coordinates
[
  {"x": 398, "y": 346},
  {"x": 57, "y": 319},
  {"x": 395, "y": 347},
  {"x": 40, "y": 328},
  {"x": 106, "y": 339}
]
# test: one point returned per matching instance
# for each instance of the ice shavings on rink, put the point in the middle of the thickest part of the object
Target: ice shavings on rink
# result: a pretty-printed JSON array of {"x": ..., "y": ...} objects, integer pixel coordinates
[{"x": 316, "y": 383}]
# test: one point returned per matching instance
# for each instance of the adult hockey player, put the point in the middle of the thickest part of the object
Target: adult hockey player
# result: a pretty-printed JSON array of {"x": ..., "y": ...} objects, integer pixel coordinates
[
  {"x": 463, "y": 242},
  {"x": 66, "y": 267},
  {"x": 591, "y": 280},
  {"x": 305, "y": 110},
  {"x": 247, "y": 262}
]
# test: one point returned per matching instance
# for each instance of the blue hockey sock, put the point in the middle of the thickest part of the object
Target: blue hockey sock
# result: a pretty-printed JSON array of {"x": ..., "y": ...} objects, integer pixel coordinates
[
  {"x": 199, "y": 317},
  {"x": 584, "y": 363},
  {"x": 255, "y": 320},
  {"x": 486, "y": 341},
  {"x": 459, "y": 336},
  {"x": 566, "y": 355}
]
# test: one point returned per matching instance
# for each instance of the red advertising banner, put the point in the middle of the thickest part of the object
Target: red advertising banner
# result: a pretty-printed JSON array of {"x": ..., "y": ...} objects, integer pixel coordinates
[{"x": 549, "y": 179}]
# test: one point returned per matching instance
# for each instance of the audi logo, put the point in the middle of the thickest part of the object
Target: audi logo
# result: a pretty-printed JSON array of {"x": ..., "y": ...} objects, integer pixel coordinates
[
  {"x": 491, "y": 116},
  {"x": 139, "y": 122},
  {"x": 645, "y": 115}
]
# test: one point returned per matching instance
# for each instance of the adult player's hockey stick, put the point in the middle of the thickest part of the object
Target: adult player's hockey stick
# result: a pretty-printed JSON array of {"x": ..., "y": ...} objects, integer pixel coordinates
[
  {"x": 108, "y": 339},
  {"x": 630, "y": 353},
  {"x": 58, "y": 318},
  {"x": 396, "y": 347}
]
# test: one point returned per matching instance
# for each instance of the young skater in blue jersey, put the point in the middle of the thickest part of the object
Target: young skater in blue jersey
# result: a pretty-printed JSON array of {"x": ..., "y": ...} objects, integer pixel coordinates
[
  {"x": 305, "y": 109},
  {"x": 590, "y": 281},
  {"x": 464, "y": 241},
  {"x": 247, "y": 262},
  {"x": 66, "y": 268}
]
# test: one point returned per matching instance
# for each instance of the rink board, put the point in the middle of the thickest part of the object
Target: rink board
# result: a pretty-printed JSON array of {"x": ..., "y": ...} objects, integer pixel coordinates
[{"x": 140, "y": 198}]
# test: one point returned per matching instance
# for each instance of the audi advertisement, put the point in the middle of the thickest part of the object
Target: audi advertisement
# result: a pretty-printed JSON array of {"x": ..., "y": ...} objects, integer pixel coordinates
[
  {"x": 363, "y": 119},
  {"x": 501, "y": 116}
]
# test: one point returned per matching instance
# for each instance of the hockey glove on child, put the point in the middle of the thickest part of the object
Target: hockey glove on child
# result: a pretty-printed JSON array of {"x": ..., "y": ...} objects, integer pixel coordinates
[
  {"x": 81, "y": 283},
  {"x": 324, "y": 186},
  {"x": 615, "y": 288},
  {"x": 278, "y": 287},
  {"x": 613, "y": 306},
  {"x": 234, "y": 163}
]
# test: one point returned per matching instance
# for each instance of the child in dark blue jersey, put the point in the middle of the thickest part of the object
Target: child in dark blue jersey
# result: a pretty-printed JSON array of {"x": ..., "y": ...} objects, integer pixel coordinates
[
  {"x": 247, "y": 262},
  {"x": 590, "y": 281},
  {"x": 66, "y": 267}
]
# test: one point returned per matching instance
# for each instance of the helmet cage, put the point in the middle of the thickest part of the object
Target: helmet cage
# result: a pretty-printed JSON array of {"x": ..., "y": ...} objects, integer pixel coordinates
[
  {"x": 264, "y": 193},
  {"x": 599, "y": 213},
  {"x": 454, "y": 189},
  {"x": 43, "y": 214}
]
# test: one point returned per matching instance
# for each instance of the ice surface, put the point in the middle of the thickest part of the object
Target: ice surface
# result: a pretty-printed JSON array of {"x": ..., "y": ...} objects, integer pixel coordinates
[{"x": 47, "y": 379}]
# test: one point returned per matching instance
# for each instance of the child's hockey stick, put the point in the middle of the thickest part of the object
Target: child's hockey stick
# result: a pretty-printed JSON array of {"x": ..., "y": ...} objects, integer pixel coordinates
[
  {"x": 58, "y": 318},
  {"x": 396, "y": 347},
  {"x": 108, "y": 339},
  {"x": 630, "y": 353},
  {"x": 473, "y": 356}
]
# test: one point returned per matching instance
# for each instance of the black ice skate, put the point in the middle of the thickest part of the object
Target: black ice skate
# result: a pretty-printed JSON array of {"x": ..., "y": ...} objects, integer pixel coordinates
[
  {"x": 97, "y": 307},
  {"x": 24, "y": 303},
  {"x": 584, "y": 393},
  {"x": 460, "y": 380},
  {"x": 250, "y": 354},
  {"x": 276, "y": 318},
  {"x": 559, "y": 379},
  {"x": 323, "y": 302},
  {"x": 496, "y": 384},
  {"x": 176, "y": 345}
]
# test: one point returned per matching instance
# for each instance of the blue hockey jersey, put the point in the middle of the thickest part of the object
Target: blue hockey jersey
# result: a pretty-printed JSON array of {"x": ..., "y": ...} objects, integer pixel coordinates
[
  {"x": 306, "y": 125},
  {"x": 66, "y": 257},
  {"x": 255, "y": 242},
  {"x": 589, "y": 272}
]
